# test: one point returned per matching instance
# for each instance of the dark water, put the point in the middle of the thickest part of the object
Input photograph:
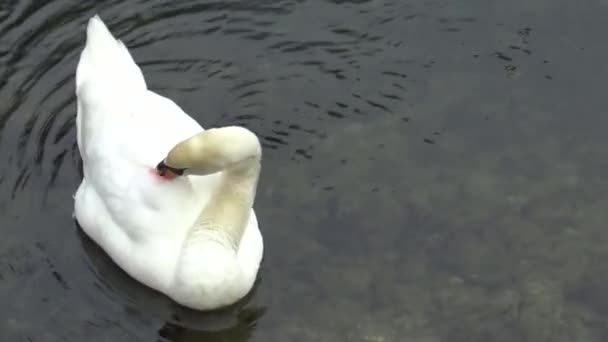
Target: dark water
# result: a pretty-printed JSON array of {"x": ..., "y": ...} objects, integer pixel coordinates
[{"x": 434, "y": 170}]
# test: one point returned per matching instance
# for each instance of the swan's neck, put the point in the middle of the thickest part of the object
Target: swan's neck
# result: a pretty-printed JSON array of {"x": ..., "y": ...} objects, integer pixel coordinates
[
  {"x": 236, "y": 153},
  {"x": 226, "y": 215}
]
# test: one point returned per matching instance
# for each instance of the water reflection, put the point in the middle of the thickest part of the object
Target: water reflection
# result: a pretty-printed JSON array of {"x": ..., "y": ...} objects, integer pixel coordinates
[{"x": 239, "y": 331}]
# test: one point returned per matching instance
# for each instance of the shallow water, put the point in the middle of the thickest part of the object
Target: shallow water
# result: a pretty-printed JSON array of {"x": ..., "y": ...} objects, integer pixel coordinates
[{"x": 433, "y": 170}]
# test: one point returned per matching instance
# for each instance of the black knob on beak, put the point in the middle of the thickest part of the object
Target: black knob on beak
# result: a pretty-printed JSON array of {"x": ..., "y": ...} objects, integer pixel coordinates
[{"x": 163, "y": 168}]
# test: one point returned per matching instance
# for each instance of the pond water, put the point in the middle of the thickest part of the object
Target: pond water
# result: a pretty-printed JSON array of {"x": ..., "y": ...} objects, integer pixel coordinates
[{"x": 433, "y": 170}]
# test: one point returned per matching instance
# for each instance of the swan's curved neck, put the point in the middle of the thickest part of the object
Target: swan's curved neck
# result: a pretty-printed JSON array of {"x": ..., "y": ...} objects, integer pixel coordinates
[
  {"x": 226, "y": 215},
  {"x": 236, "y": 153}
]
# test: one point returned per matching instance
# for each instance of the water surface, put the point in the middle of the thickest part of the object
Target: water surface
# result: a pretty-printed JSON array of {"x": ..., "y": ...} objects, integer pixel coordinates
[{"x": 433, "y": 170}]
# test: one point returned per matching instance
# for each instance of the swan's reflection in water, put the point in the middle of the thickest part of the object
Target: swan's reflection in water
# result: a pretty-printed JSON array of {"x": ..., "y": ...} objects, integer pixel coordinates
[
  {"x": 234, "y": 323},
  {"x": 237, "y": 325}
]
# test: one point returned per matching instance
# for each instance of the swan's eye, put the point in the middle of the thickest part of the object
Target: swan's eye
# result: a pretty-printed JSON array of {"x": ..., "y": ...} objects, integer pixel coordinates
[{"x": 163, "y": 169}]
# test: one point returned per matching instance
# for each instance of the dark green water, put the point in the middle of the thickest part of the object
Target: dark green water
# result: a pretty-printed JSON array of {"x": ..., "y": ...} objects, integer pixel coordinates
[{"x": 433, "y": 170}]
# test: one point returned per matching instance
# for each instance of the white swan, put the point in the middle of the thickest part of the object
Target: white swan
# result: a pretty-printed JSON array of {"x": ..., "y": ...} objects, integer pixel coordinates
[{"x": 169, "y": 202}]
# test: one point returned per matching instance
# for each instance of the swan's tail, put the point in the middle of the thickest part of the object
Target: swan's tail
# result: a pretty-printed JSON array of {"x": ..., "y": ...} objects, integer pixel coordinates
[
  {"x": 105, "y": 74},
  {"x": 107, "y": 60}
]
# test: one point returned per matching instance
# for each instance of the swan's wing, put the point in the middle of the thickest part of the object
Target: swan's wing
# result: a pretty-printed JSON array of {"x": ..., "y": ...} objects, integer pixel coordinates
[
  {"x": 124, "y": 138},
  {"x": 116, "y": 108},
  {"x": 123, "y": 131}
]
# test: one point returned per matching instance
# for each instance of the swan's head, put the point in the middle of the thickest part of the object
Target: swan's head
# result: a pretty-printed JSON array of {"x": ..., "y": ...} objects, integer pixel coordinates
[{"x": 212, "y": 151}]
